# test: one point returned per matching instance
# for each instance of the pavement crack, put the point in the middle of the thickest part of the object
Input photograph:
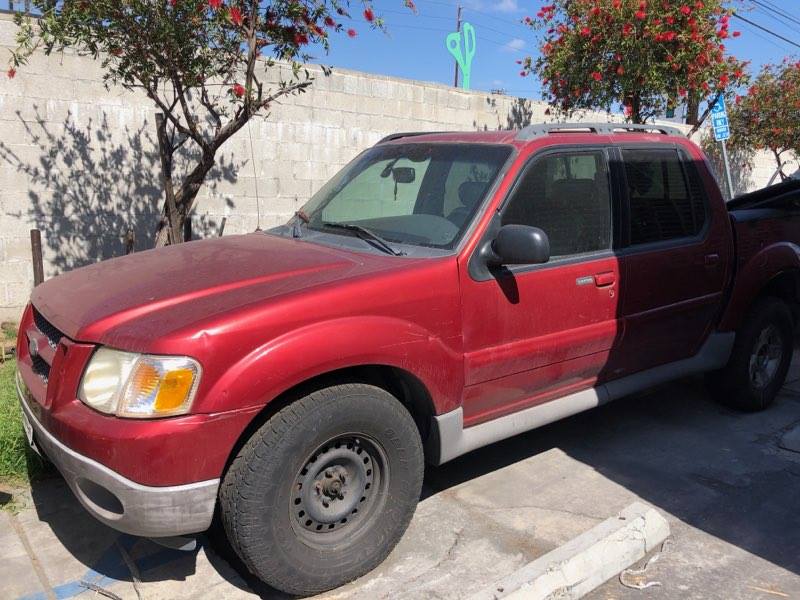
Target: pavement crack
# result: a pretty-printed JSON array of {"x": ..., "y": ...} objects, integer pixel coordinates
[
  {"x": 533, "y": 506},
  {"x": 448, "y": 556}
]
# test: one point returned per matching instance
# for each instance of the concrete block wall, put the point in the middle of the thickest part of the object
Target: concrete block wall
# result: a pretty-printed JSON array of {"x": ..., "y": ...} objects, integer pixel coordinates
[{"x": 80, "y": 162}]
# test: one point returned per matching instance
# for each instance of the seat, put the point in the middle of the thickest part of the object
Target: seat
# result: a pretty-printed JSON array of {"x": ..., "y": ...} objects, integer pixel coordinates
[{"x": 470, "y": 193}]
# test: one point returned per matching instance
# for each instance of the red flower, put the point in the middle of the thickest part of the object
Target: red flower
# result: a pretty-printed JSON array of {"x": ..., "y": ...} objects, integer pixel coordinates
[
  {"x": 627, "y": 29},
  {"x": 596, "y": 76},
  {"x": 352, "y": 33},
  {"x": 172, "y": 3},
  {"x": 12, "y": 72},
  {"x": 300, "y": 38},
  {"x": 620, "y": 70},
  {"x": 212, "y": 4},
  {"x": 238, "y": 90},
  {"x": 330, "y": 22},
  {"x": 586, "y": 32},
  {"x": 369, "y": 15},
  {"x": 236, "y": 16},
  {"x": 686, "y": 10},
  {"x": 641, "y": 15},
  {"x": 737, "y": 33}
]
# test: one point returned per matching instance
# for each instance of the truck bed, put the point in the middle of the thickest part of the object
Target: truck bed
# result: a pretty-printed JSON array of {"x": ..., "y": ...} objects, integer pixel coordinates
[{"x": 785, "y": 195}]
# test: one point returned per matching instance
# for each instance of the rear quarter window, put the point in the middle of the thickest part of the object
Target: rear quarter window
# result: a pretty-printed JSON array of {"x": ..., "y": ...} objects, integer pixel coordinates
[{"x": 664, "y": 204}]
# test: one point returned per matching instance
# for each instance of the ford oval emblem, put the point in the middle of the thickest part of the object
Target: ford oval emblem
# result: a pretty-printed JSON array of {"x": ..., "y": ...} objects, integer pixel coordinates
[{"x": 33, "y": 346}]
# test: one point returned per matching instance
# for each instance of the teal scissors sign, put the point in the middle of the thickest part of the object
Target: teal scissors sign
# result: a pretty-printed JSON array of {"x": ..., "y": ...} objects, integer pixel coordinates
[{"x": 461, "y": 45}]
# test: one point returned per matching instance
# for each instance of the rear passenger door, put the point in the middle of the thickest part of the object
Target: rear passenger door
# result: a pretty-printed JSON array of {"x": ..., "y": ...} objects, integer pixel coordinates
[{"x": 673, "y": 264}]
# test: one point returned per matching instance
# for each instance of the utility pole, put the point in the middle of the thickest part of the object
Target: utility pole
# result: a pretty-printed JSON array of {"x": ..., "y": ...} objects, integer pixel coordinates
[{"x": 458, "y": 29}]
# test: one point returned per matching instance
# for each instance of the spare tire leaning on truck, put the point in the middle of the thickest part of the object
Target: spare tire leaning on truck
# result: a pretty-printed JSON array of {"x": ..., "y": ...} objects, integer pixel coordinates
[{"x": 759, "y": 363}]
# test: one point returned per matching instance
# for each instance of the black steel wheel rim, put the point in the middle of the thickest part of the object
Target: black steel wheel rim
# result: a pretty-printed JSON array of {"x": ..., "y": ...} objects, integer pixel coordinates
[
  {"x": 339, "y": 490},
  {"x": 766, "y": 358}
]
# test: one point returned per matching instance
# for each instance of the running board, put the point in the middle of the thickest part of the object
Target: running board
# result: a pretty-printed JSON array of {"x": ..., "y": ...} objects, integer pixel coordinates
[{"x": 449, "y": 439}]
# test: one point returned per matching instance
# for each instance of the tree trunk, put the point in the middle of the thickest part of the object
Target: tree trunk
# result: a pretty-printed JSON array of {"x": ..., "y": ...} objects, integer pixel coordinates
[
  {"x": 635, "y": 102},
  {"x": 171, "y": 226},
  {"x": 692, "y": 109},
  {"x": 780, "y": 164}
]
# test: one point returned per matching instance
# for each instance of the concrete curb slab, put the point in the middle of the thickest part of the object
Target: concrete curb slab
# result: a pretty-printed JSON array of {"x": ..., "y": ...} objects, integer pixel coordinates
[
  {"x": 791, "y": 440},
  {"x": 587, "y": 561}
]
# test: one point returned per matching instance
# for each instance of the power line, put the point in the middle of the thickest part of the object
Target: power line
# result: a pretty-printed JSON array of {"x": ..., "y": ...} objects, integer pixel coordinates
[
  {"x": 767, "y": 39},
  {"x": 503, "y": 20},
  {"x": 442, "y": 30},
  {"x": 779, "y": 11},
  {"x": 479, "y": 27},
  {"x": 773, "y": 15},
  {"x": 769, "y": 31}
]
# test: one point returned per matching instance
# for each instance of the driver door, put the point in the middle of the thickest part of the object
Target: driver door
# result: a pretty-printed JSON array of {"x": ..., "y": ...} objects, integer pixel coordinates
[{"x": 537, "y": 332}]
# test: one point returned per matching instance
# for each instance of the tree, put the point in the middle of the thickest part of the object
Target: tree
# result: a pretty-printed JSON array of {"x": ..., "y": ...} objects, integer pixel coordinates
[
  {"x": 767, "y": 117},
  {"x": 202, "y": 62},
  {"x": 644, "y": 55}
]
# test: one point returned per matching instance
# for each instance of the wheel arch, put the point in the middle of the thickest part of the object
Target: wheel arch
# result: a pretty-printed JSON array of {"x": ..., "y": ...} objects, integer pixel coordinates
[
  {"x": 773, "y": 272},
  {"x": 402, "y": 384}
]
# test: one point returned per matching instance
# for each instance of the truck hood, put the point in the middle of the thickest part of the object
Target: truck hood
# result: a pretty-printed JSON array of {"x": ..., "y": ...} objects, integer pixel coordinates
[{"x": 162, "y": 290}]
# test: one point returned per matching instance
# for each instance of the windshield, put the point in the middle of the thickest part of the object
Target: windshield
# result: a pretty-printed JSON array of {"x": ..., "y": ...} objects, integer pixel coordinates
[{"x": 419, "y": 194}]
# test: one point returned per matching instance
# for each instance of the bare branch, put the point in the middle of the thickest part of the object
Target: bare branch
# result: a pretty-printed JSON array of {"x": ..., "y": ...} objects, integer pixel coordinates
[{"x": 191, "y": 122}]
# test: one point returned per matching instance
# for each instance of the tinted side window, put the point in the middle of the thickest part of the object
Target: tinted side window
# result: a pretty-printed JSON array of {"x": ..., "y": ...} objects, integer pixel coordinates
[
  {"x": 567, "y": 196},
  {"x": 662, "y": 205}
]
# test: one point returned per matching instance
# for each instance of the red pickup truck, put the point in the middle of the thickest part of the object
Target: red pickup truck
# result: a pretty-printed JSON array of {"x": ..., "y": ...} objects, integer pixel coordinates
[{"x": 443, "y": 292}]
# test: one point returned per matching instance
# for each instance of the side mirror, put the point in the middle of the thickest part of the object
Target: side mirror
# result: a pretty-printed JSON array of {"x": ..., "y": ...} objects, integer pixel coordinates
[{"x": 519, "y": 245}]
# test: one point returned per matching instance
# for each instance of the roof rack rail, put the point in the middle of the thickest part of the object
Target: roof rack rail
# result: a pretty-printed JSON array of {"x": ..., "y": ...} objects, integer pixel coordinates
[
  {"x": 399, "y": 136},
  {"x": 542, "y": 129}
]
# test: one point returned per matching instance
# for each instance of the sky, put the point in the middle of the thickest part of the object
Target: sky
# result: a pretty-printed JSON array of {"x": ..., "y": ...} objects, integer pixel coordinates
[{"x": 414, "y": 45}]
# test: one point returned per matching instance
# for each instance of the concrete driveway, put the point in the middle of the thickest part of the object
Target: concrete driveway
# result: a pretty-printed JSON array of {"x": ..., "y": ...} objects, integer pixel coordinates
[{"x": 728, "y": 489}]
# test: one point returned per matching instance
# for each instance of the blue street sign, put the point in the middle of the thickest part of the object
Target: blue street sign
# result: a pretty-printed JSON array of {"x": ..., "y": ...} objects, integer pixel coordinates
[{"x": 719, "y": 121}]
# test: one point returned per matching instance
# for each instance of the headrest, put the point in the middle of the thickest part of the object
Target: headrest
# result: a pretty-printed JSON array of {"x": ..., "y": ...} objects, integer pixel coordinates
[
  {"x": 574, "y": 189},
  {"x": 471, "y": 192}
]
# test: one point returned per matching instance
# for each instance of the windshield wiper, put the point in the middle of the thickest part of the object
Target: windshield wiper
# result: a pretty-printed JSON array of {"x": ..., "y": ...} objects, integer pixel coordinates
[{"x": 367, "y": 234}]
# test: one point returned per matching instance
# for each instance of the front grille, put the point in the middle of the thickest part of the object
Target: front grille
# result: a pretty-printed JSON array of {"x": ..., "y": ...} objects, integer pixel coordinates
[
  {"x": 52, "y": 334},
  {"x": 40, "y": 368}
]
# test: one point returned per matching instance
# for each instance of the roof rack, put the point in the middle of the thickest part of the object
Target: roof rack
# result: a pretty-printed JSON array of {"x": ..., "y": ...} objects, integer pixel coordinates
[
  {"x": 399, "y": 136},
  {"x": 542, "y": 129}
]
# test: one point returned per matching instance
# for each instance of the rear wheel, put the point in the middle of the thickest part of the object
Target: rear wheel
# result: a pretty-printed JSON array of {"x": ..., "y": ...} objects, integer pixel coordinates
[
  {"x": 760, "y": 360},
  {"x": 324, "y": 490}
]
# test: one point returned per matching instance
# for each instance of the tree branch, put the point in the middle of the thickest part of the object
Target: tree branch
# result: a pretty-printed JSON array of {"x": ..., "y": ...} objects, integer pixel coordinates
[
  {"x": 703, "y": 118},
  {"x": 191, "y": 123}
]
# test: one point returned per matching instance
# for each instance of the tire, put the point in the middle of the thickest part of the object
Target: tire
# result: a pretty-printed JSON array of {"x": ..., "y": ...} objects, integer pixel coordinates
[
  {"x": 325, "y": 489},
  {"x": 760, "y": 360}
]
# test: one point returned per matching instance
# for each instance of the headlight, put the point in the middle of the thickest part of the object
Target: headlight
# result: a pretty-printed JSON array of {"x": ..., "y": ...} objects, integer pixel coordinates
[{"x": 139, "y": 385}]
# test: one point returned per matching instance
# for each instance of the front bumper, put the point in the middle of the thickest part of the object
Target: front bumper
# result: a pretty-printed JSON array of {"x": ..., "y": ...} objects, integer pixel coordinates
[{"x": 119, "y": 502}]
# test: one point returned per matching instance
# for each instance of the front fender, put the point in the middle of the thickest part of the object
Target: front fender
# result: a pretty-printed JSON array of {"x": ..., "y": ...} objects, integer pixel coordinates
[
  {"x": 757, "y": 273},
  {"x": 320, "y": 348}
]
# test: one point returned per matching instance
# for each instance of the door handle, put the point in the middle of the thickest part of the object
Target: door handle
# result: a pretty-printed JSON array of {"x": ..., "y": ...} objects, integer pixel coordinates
[
  {"x": 711, "y": 260},
  {"x": 605, "y": 279}
]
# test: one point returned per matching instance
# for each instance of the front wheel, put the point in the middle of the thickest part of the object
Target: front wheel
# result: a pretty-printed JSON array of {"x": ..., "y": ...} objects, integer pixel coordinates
[
  {"x": 760, "y": 360},
  {"x": 324, "y": 490}
]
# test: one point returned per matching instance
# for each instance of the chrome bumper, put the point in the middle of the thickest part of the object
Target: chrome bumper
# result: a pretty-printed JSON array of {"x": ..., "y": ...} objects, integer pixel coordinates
[{"x": 119, "y": 502}]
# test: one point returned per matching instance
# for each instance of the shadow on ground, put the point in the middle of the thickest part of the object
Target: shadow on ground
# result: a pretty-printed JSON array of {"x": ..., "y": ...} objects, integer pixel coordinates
[{"x": 718, "y": 471}]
